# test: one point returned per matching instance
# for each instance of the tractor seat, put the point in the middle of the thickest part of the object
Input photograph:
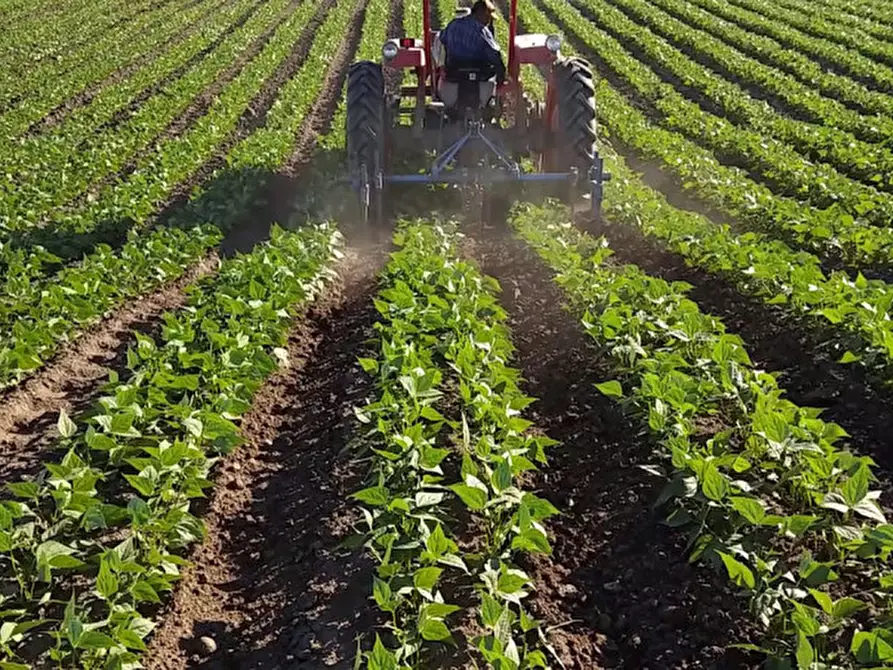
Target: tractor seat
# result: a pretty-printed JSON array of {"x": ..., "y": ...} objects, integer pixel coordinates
[
  {"x": 470, "y": 74},
  {"x": 468, "y": 86}
]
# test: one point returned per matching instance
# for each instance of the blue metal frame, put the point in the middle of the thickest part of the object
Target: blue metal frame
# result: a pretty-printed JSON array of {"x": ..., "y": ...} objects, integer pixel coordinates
[{"x": 510, "y": 172}]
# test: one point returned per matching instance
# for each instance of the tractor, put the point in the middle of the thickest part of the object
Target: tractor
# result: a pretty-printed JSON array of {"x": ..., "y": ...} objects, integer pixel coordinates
[{"x": 470, "y": 130}]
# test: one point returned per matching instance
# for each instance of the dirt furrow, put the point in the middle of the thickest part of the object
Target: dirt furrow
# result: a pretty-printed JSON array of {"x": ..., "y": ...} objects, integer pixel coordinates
[
  {"x": 269, "y": 586},
  {"x": 618, "y": 587},
  {"x": 71, "y": 380}
]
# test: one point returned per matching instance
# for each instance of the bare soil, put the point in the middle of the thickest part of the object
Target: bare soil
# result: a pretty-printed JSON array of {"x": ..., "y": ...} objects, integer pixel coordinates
[
  {"x": 618, "y": 588},
  {"x": 270, "y": 585},
  {"x": 72, "y": 379}
]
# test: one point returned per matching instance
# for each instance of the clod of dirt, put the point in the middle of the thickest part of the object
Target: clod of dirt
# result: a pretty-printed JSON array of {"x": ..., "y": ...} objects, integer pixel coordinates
[{"x": 207, "y": 645}]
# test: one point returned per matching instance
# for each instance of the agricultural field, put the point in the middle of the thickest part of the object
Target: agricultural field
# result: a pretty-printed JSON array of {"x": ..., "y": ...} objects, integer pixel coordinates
[{"x": 241, "y": 429}]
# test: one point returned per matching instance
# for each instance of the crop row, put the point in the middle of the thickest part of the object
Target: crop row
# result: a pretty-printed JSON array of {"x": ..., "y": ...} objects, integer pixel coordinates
[
  {"x": 24, "y": 11},
  {"x": 753, "y": 146},
  {"x": 446, "y": 11},
  {"x": 840, "y": 14},
  {"x": 851, "y": 309},
  {"x": 51, "y": 310},
  {"x": 802, "y": 98},
  {"x": 116, "y": 102},
  {"x": 33, "y": 23},
  {"x": 45, "y": 39},
  {"x": 112, "y": 52},
  {"x": 861, "y": 160},
  {"x": 773, "y": 53},
  {"x": 443, "y": 378},
  {"x": 826, "y": 143},
  {"x": 88, "y": 549},
  {"x": 374, "y": 34},
  {"x": 118, "y": 207},
  {"x": 413, "y": 25},
  {"x": 839, "y": 57},
  {"x": 808, "y": 22},
  {"x": 879, "y": 12},
  {"x": 32, "y": 187},
  {"x": 758, "y": 482},
  {"x": 828, "y": 232}
]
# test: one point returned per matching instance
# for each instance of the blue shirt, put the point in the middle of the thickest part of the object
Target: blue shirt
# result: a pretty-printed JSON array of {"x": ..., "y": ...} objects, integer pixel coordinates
[{"x": 467, "y": 40}]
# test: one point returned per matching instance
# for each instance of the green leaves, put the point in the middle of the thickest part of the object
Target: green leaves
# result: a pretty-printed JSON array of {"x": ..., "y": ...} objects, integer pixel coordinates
[
  {"x": 65, "y": 425},
  {"x": 381, "y": 658},
  {"x": 612, "y": 389},
  {"x": 738, "y": 572},
  {"x": 750, "y": 508},
  {"x": 854, "y": 496},
  {"x": 150, "y": 447},
  {"x": 805, "y": 653},
  {"x": 374, "y": 495},
  {"x": 875, "y": 646},
  {"x": 473, "y": 495},
  {"x": 713, "y": 483},
  {"x": 106, "y": 582},
  {"x": 753, "y": 477},
  {"x": 441, "y": 327}
]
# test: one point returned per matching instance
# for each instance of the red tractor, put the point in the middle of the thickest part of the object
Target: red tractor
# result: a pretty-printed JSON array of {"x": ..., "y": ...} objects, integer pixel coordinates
[{"x": 478, "y": 133}]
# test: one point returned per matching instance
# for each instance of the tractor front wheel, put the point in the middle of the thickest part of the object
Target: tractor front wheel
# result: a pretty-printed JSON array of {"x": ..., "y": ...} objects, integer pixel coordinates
[{"x": 365, "y": 138}]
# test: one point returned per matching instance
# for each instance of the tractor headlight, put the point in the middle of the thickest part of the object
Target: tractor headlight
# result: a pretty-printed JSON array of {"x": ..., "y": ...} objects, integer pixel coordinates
[
  {"x": 553, "y": 43},
  {"x": 389, "y": 50}
]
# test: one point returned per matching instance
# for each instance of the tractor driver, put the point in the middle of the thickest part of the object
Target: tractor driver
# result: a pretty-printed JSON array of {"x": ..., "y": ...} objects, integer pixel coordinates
[{"x": 469, "y": 41}]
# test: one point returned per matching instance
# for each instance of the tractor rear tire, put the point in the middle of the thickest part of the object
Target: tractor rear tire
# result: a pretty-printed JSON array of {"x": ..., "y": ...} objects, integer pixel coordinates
[
  {"x": 366, "y": 137},
  {"x": 576, "y": 131}
]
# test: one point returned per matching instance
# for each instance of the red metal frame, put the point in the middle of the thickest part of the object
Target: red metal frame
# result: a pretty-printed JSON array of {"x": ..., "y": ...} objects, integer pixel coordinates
[{"x": 523, "y": 50}]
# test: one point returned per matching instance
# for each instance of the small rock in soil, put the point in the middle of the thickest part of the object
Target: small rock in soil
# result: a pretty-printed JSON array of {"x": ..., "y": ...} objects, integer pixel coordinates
[
  {"x": 604, "y": 622},
  {"x": 567, "y": 590},
  {"x": 613, "y": 587},
  {"x": 207, "y": 644}
]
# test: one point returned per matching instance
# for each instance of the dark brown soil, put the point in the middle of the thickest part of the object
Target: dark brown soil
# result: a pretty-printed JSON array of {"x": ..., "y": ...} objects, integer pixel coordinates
[
  {"x": 619, "y": 587},
  {"x": 270, "y": 585},
  {"x": 71, "y": 380}
]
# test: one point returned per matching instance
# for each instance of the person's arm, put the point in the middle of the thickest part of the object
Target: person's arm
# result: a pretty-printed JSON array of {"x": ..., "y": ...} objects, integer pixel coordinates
[{"x": 493, "y": 54}]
